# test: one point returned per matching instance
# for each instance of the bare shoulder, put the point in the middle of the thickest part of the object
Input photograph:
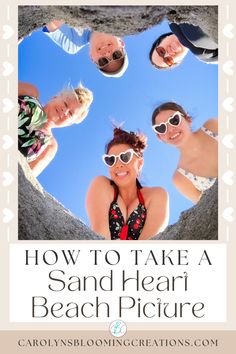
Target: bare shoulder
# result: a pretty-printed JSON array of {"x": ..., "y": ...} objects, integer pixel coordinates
[
  {"x": 185, "y": 187},
  {"x": 101, "y": 182},
  {"x": 100, "y": 190},
  {"x": 155, "y": 192},
  {"x": 101, "y": 185},
  {"x": 177, "y": 177},
  {"x": 212, "y": 124}
]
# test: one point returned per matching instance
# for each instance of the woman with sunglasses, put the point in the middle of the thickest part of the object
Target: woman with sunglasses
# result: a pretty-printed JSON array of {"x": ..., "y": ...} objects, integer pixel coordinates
[
  {"x": 119, "y": 207},
  {"x": 170, "y": 48},
  {"x": 197, "y": 168}
]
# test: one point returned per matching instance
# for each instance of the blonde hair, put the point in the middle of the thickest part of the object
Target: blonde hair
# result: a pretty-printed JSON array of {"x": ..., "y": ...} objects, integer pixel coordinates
[{"x": 83, "y": 95}]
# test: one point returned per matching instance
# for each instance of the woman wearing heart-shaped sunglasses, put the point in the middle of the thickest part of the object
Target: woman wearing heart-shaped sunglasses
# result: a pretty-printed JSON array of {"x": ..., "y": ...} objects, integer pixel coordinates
[
  {"x": 119, "y": 207},
  {"x": 197, "y": 168}
]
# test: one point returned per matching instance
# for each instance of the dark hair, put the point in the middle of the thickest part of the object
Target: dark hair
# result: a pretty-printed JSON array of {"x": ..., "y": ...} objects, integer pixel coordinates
[
  {"x": 137, "y": 141},
  {"x": 168, "y": 106},
  {"x": 156, "y": 44}
]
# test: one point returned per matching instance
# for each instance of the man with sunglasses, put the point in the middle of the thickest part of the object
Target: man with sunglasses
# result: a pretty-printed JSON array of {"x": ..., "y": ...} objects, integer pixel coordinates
[
  {"x": 170, "y": 48},
  {"x": 107, "y": 52}
]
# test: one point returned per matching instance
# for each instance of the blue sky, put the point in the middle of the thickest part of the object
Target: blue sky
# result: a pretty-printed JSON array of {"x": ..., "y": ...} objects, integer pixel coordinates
[{"x": 130, "y": 99}]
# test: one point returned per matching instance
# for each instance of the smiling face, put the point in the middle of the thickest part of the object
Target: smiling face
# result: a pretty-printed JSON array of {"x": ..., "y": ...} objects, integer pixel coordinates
[
  {"x": 124, "y": 174},
  {"x": 63, "y": 110},
  {"x": 169, "y": 48},
  {"x": 104, "y": 45},
  {"x": 174, "y": 135}
]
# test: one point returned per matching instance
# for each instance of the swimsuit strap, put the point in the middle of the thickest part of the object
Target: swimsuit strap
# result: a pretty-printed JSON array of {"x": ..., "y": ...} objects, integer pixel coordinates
[
  {"x": 140, "y": 197},
  {"x": 182, "y": 171},
  {"x": 139, "y": 193},
  {"x": 209, "y": 132},
  {"x": 200, "y": 182}
]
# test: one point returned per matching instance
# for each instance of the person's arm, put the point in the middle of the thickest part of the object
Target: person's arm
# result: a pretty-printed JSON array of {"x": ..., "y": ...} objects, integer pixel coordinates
[
  {"x": 26, "y": 89},
  {"x": 157, "y": 213},
  {"x": 53, "y": 25},
  {"x": 98, "y": 202},
  {"x": 66, "y": 37},
  {"x": 44, "y": 158},
  {"x": 186, "y": 187}
]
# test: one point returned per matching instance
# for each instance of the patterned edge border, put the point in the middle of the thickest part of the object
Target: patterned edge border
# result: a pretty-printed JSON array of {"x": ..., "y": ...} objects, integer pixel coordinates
[{"x": 8, "y": 132}]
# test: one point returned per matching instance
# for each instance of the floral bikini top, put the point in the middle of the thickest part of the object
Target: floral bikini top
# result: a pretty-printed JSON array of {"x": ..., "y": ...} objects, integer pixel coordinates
[
  {"x": 201, "y": 183},
  {"x": 133, "y": 228},
  {"x": 31, "y": 119}
]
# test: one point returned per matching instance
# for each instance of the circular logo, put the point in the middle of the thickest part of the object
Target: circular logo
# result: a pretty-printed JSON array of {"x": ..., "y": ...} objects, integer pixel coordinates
[{"x": 118, "y": 328}]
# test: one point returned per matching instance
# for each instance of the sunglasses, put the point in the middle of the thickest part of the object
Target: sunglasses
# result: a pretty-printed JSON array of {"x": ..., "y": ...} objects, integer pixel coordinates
[
  {"x": 174, "y": 120},
  {"x": 163, "y": 54},
  {"x": 124, "y": 157},
  {"x": 116, "y": 55}
]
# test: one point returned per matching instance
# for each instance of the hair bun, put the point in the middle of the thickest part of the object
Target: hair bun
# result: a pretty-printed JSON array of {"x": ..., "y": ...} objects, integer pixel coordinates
[
  {"x": 141, "y": 140},
  {"x": 118, "y": 131},
  {"x": 137, "y": 141}
]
